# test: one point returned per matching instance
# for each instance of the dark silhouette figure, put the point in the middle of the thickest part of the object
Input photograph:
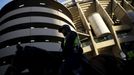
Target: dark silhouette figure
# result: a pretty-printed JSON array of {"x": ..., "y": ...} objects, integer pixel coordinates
[
  {"x": 71, "y": 50},
  {"x": 41, "y": 62}
]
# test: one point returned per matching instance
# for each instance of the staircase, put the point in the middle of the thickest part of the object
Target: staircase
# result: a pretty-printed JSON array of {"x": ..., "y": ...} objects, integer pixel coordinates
[
  {"x": 118, "y": 15},
  {"x": 105, "y": 3},
  {"x": 87, "y": 9},
  {"x": 109, "y": 7}
]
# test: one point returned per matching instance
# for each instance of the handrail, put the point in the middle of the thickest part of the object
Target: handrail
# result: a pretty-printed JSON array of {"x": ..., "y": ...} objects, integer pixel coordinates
[
  {"x": 87, "y": 26},
  {"x": 128, "y": 6},
  {"x": 110, "y": 23}
]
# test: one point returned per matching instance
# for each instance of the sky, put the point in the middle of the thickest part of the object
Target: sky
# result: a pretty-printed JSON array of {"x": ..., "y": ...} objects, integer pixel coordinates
[
  {"x": 61, "y": 0},
  {"x": 3, "y": 2}
]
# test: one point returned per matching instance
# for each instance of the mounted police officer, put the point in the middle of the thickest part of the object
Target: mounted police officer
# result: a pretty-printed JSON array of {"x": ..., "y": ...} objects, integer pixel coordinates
[{"x": 71, "y": 50}]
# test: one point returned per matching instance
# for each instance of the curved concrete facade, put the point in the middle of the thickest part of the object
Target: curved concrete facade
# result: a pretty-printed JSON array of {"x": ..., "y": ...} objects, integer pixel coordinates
[
  {"x": 32, "y": 23},
  {"x": 30, "y": 32},
  {"x": 43, "y": 45},
  {"x": 32, "y": 18},
  {"x": 43, "y": 10}
]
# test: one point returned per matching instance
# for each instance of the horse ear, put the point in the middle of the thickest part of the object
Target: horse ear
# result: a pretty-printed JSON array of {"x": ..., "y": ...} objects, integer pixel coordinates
[{"x": 19, "y": 47}]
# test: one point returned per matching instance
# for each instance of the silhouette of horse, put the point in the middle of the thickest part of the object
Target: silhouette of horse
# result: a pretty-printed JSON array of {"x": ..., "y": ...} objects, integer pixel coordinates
[
  {"x": 42, "y": 62},
  {"x": 37, "y": 61}
]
